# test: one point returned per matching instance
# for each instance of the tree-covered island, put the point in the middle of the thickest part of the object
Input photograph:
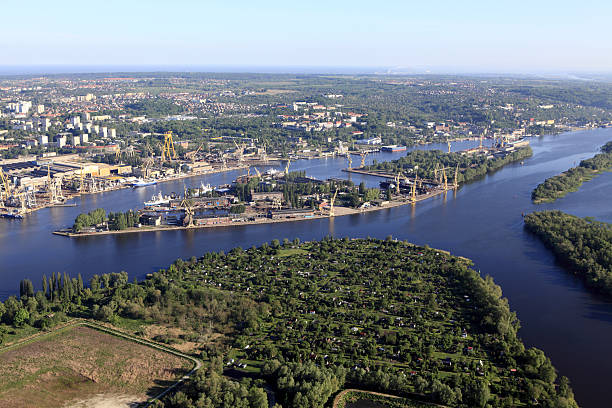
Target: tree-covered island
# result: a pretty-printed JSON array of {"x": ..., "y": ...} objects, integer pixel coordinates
[
  {"x": 583, "y": 244},
  {"x": 560, "y": 185},
  {"x": 299, "y": 322}
]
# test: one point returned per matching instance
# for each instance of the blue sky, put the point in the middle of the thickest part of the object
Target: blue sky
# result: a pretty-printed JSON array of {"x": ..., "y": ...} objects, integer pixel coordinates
[{"x": 478, "y": 36}]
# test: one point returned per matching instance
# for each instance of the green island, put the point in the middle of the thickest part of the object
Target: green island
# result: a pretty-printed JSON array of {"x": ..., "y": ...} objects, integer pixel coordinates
[
  {"x": 582, "y": 243},
  {"x": 300, "y": 322},
  {"x": 569, "y": 181},
  {"x": 429, "y": 163}
]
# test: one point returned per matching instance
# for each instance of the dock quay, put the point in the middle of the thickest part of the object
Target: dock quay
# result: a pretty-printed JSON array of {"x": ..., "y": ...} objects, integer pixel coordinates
[{"x": 360, "y": 170}]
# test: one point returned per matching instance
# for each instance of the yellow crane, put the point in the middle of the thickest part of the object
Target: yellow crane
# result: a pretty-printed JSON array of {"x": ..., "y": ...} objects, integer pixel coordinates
[
  {"x": 192, "y": 155},
  {"x": 445, "y": 179},
  {"x": 81, "y": 186},
  {"x": 363, "y": 157},
  {"x": 239, "y": 151},
  {"x": 397, "y": 182},
  {"x": 414, "y": 188},
  {"x": 449, "y": 146},
  {"x": 331, "y": 204},
  {"x": 5, "y": 187},
  {"x": 350, "y": 161},
  {"x": 257, "y": 172},
  {"x": 168, "y": 152},
  {"x": 455, "y": 183},
  {"x": 287, "y": 167}
]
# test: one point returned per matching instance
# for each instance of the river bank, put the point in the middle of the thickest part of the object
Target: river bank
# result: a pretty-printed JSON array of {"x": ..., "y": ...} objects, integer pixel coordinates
[{"x": 339, "y": 212}]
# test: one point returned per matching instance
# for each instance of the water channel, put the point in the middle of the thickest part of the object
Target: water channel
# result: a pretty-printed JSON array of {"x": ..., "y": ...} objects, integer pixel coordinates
[{"x": 481, "y": 221}]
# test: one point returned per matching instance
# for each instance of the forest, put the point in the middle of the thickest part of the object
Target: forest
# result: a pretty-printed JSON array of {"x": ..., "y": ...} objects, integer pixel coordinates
[
  {"x": 470, "y": 167},
  {"x": 583, "y": 244},
  {"x": 114, "y": 221},
  {"x": 302, "y": 321},
  {"x": 560, "y": 185}
]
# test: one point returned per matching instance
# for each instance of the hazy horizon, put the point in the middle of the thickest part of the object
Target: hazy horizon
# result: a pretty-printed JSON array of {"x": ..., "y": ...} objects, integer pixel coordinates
[{"x": 71, "y": 69}]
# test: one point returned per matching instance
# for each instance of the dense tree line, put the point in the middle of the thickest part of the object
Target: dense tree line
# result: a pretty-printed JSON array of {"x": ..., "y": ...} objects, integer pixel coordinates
[
  {"x": 583, "y": 244},
  {"x": 560, "y": 185},
  {"x": 470, "y": 167},
  {"x": 116, "y": 221},
  {"x": 91, "y": 219}
]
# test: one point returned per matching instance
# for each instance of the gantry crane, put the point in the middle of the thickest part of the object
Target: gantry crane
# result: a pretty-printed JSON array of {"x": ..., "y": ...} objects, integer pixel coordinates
[
  {"x": 168, "y": 152},
  {"x": 331, "y": 204}
]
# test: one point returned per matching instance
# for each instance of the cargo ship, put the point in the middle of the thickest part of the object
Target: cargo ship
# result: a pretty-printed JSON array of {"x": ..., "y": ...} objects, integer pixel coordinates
[
  {"x": 158, "y": 200},
  {"x": 393, "y": 148}
]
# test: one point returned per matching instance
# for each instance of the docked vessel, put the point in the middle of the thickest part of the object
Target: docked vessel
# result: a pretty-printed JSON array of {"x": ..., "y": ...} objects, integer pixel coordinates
[
  {"x": 393, "y": 148},
  {"x": 156, "y": 200},
  {"x": 143, "y": 183},
  {"x": 14, "y": 216},
  {"x": 203, "y": 190}
]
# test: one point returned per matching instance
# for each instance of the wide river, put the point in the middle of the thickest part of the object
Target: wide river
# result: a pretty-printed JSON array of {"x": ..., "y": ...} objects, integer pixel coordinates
[{"x": 482, "y": 221}]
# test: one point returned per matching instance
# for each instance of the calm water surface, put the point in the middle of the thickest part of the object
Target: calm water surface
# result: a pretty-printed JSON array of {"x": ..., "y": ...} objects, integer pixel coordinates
[{"x": 482, "y": 221}]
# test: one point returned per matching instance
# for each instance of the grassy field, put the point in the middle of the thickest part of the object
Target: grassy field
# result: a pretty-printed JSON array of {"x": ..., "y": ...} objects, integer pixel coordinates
[{"x": 69, "y": 367}]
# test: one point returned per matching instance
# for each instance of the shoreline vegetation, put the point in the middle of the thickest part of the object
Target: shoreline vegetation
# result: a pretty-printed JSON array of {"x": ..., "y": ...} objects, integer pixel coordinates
[
  {"x": 570, "y": 181},
  {"x": 583, "y": 244},
  {"x": 303, "y": 321},
  {"x": 471, "y": 167}
]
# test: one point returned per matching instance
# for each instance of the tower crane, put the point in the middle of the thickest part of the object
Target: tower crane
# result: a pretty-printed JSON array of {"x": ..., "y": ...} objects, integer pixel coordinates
[
  {"x": 331, "y": 204},
  {"x": 449, "y": 146},
  {"x": 350, "y": 161}
]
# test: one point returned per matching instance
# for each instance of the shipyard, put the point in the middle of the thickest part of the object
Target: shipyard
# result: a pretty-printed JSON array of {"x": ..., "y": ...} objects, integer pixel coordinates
[{"x": 272, "y": 196}]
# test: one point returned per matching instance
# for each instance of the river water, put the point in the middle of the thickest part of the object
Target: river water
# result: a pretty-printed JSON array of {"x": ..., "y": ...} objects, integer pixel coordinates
[{"x": 481, "y": 221}]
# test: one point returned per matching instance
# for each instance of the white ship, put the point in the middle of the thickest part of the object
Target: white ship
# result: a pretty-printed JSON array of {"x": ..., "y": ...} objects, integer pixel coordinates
[
  {"x": 202, "y": 190},
  {"x": 158, "y": 199},
  {"x": 271, "y": 172}
]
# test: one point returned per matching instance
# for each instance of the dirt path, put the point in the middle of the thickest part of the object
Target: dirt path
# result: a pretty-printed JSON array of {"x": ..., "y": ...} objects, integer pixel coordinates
[{"x": 107, "y": 401}]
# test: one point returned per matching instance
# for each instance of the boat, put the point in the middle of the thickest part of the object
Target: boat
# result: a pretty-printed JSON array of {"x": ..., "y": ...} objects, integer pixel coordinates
[
  {"x": 14, "y": 216},
  {"x": 158, "y": 199},
  {"x": 271, "y": 172},
  {"x": 393, "y": 148},
  {"x": 143, "y": 183},
  {"x": 205, "y": 188}
]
